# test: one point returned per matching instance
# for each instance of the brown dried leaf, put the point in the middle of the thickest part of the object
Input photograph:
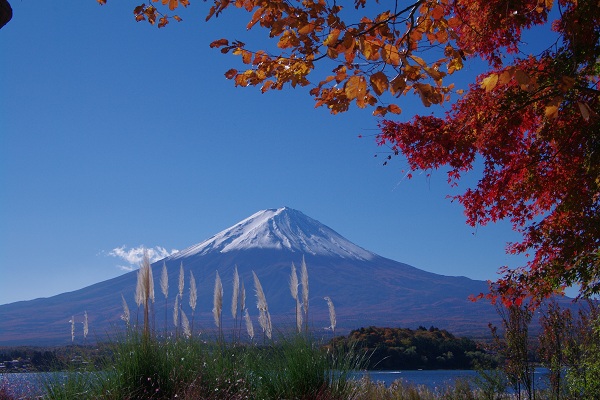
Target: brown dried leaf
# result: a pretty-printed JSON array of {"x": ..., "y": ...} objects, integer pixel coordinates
[
  {"x": 163, "y": 21},
  {"x": 231, "y": 73},
  {"x": 397, "y": 85},
  {"x": 551, "y": 111},
  {"x": 585, "y": 110},
  {"x": 394, "y": 109},
  {"x": 219, "y": 43}
]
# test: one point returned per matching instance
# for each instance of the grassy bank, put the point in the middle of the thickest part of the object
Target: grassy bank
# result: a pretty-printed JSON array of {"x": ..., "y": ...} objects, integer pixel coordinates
[{"x": 143, "y": 367}]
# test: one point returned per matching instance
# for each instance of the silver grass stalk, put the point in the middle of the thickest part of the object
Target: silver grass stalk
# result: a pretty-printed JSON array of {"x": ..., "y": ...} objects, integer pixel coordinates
[
  {"x": 298, "y": 315},
  {"x": 139, "y": 289},
  {"x": 72, "y": 321},
  {"x": 164, "y": 287},
  {"x": 261, "y": 300},
  {"x": 294, "y": 282},
  {"x": 150, "y": 278},
  {"x": 164, "y": 281},
  {"x": 193, "y": 292},
  {"x": 185, "y": 323},
  {"x": 193, "y": 298},
  {"x": 262, "y": 319},
  {"x": 218, "y": 300},
  {"x": 332, "y": 319},
  {"x": 125, "y": 315},
  {"x": 236, "y": 290},
  {"x": 176, "y": 313},
  {"x": 242, "y": 297},
  {"x": 146, "y": 288},
  {"x": 269, "y": 330},
  {"x": 304, "y": 279},
  {"x": 85, "y": 324},
  {"x": 181, "y": 280},
  {"x": 249, "y": 325}
]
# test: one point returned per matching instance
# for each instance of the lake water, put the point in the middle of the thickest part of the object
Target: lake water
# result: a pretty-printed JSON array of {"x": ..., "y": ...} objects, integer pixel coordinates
[
  {"x": 438, "y": 378},
  {"x": 431, "y": 379},
  {"x": 28, "y": 385}
]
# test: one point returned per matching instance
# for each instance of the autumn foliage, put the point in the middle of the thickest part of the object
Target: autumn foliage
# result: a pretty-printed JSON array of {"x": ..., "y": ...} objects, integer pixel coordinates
[{"x": 531, "y": 120}]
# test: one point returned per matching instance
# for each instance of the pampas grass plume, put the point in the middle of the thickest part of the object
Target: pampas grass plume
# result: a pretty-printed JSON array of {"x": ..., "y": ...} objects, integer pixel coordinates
[
  {"x": 139, "y": 289},
  {"x": 298, "y": 315},
  {"x": 85, "y": 324},
  {"x": 332, "y": 319},
  {"x": 218, "y": 300},
  {"x": 294, "y": 282},
  {"x": 164, "y": 281},
  {"x": 181, "y": 280},
  {"x": 150, "y": 281},
  {"x": 242, "y": 298},
  {"x": 125, "y": 315},
  {"x": 236, "y": 290},
  {"x": 176, "y": 312},
  {"x": 193, "y": 292},
  {"x": 264, "y": 318},
  {"x": 261, "y": 300},
  {"x": 304, "y": 279},
  {"x": 185, "y": 323},
  {"x": 269, "y": 330},
  {"x": 249, "y": 325},
  {"x": 72, "y": 321}
]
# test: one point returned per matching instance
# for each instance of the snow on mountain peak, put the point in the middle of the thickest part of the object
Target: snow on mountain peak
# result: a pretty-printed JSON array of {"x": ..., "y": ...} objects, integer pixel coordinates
[{"x": 282, "y": 228}]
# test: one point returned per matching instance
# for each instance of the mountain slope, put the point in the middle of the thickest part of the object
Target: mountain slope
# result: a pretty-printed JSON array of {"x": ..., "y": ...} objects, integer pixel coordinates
[{"x": 366, "y": 289}]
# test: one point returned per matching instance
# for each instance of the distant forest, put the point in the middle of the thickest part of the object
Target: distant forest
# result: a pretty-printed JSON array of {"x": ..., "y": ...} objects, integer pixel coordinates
[
  {"x": 382, "y": 349},
  {"x": 403, "y": 348}
]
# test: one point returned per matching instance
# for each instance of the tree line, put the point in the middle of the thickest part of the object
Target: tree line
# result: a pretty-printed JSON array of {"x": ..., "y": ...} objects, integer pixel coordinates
[{"x": 407, "y": 349}]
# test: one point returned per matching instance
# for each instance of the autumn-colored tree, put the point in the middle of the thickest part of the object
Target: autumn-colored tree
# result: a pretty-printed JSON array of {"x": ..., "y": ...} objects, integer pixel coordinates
[
  {"x": 532, "y": 121},
  {"x": 583, "y": 353},
  {"x": 514, "y": 346},
  {"x": 556, "y": 334}
]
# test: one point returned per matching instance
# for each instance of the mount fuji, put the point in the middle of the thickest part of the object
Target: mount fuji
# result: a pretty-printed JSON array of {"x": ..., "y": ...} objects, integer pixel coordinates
[{"x": 367, "y": 289}]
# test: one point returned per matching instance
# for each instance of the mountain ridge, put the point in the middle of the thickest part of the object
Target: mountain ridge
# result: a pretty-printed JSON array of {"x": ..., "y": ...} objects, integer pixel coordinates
[
  {"x": 366, "y": 289},
  {"x": 278, "y": 228}
]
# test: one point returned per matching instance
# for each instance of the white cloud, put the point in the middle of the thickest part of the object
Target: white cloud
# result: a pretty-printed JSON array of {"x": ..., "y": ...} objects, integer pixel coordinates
[
  {"x": 126, "y": 268},
  {"x": 134, "y": 255}
]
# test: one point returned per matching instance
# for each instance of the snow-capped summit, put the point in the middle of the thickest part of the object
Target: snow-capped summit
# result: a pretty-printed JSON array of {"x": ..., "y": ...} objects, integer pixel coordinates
[{"x": 282, "y": 228}]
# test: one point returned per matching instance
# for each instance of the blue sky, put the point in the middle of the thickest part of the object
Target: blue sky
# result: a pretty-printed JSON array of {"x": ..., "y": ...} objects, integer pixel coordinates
[{"x": 114, "y": 133}]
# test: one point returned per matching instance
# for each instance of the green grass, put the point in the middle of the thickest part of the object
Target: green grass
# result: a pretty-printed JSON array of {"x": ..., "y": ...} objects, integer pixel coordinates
[{"x": 143, "y": 367}]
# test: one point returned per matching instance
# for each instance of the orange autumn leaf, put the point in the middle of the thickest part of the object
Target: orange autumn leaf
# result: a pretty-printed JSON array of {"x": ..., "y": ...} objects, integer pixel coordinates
[
  {"x": 355, "y": 87},
  {"x": 379, "y": 82},
  {"x": 390, "y": 54},
  {"x": 163, "y": 21},
  {"x": 489, "y": 83},
  {"x": 551, "y": 111}
]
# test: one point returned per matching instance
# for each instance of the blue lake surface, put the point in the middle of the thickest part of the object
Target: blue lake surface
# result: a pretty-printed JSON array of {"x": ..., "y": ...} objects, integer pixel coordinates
[
  {"x": 28, "y": 385},
  {"x": 438, "y": 378}
]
